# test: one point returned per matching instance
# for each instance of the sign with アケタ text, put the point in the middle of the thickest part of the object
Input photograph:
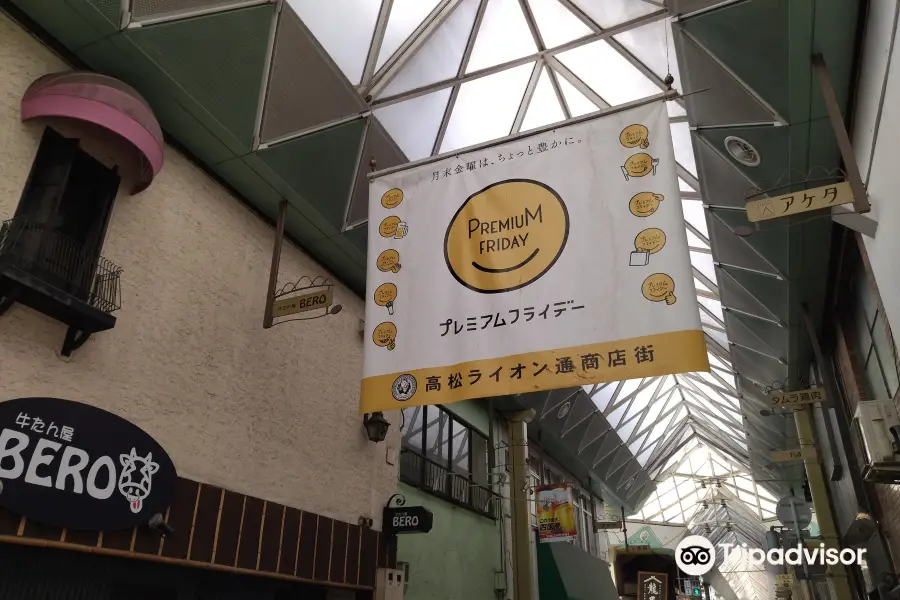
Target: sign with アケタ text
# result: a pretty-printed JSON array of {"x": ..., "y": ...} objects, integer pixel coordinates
[
  {"x": 550, "y": 261},
  {"x": 798, "y": 202},
  {"x": 77, "y": 466}
]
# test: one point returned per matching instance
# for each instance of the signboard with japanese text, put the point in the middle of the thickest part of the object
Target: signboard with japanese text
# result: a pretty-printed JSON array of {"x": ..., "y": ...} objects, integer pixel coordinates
[
  {"x": 76, "y": 466},
  {"x": 798, "y": 398},
  {"x": 412, "y": 519},
  {"x": 303, "y": 303},
  {"x": 555, "y": 513},
  {"x": 808, "y": 453},
  {"x": 798, "y": 202},
  {"x": 652, "y": 586},
  {"x": 547, "y": 262}
]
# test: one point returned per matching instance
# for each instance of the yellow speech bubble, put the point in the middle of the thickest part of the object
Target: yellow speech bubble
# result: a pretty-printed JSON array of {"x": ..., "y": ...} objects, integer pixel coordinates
[
  {"x": 644, "y": 204},
  {"x": 650, "y": 240},
  {"x": 385, "y": 335},
  {"x": 392, "y": 198},
  {"x": 385, "y": 295},
  {"x": 639, "y": 165},
  {"x": 389, "y": 260},
  {"x": 634, "y": 136},
  {"x": 388, "y": 227},
  {"x": 659, "y": 287}
]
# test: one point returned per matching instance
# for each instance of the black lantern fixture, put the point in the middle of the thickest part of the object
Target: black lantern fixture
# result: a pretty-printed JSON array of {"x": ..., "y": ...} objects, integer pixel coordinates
[{"x": 376, "y": 426}]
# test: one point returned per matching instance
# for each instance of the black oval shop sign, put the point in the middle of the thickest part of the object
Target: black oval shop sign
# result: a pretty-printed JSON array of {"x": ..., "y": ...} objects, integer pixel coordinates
[{"x": 72, "y": 465}]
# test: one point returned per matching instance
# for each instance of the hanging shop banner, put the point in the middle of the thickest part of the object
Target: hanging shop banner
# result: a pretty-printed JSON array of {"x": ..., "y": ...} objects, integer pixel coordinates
[
  {"x": 653, "y": 586},
  {"x": 76, "y": 466},
  {"x": 550, "y": 261},
  {"x": 555, "y": 513}
]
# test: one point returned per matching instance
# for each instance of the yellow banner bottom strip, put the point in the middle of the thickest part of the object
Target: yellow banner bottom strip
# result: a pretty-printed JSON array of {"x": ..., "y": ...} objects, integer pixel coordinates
[{"x": 648, "y": 356}]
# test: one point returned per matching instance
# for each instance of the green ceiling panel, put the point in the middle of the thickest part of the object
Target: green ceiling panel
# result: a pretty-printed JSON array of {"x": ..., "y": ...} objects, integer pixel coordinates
[
  {"x": 320, "y": 168},
  {"x": 118, "y": 57},
  {"x": 218, "y": 60},
  {"x": 345, "y": 244},
  {"x": 772, "y": 145},
  {"x": 106, "y": 13},
  {"x": 762, "y": 25},
  {"x": 62, "y": 21},
  {"x": 359, "y": 237},
  {"x": 252, "y": 186}
]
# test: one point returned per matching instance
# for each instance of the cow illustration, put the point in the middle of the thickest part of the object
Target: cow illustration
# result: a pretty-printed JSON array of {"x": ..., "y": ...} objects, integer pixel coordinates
[{"x": 137, "y": 489}]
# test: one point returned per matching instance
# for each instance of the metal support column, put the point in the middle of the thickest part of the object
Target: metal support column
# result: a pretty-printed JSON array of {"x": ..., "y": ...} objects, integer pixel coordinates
[
  {"x": 860, "y": 198},
  {"x": 837, "y": 575},
  {"x": 276, "y": 262},
  {"x": 523, "y": 578}
]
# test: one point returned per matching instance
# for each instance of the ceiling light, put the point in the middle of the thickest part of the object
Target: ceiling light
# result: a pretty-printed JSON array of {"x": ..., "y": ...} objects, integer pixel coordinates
[
  {"x": 743, "y": 231},
  {"x": 742, "y": 151}
]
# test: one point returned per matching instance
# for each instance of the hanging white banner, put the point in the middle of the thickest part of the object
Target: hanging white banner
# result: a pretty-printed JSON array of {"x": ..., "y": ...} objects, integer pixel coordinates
[{"x": 551, "y": 261}]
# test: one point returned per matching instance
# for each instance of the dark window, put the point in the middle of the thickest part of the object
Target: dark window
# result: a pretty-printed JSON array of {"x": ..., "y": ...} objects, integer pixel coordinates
[
  {"x": 61, "y": 220},
  {"x": 446, "y": 457}
]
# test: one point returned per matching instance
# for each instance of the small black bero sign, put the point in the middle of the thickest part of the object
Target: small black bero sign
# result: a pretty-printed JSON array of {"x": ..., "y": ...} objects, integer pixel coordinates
[
  {"x": 72, "y": 465},
  {"x": 411, "y": 519}
]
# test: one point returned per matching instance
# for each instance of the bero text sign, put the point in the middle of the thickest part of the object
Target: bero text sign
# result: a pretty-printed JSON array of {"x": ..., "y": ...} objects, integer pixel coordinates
[
  {"x": 303, "y": 303},
  {"x": 73, "y": 465},
  {"x": 550, "y": 261},
  {"x": 407, "y": 519}
]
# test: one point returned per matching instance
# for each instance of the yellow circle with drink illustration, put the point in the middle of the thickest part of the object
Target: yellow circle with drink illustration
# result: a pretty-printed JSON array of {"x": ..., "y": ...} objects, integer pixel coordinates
[
  {"x": 389, "y": 260},
  {"x": 388, "y": 227},
  {"x": 385, "y": 294},
  {"x": 385, "y": 335},
  {"x": 634, "y": 136},
  {"x": 644, "y": 204},
  {"x": 506, "y": 236},
  {"x": 639, "y": 165},
  {"x": 392, "y": 198},
  {"x": 650, "y": 240},
  {"x": 659, "y": 287}
]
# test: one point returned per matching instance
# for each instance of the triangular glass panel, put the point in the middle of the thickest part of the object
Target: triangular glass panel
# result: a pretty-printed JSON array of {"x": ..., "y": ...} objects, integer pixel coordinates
[
  {"x": 617, "y": 81},
  {"x": 684, "y": 187},
  {"x": 615, "y": 416},
  {"x": 607, "y": 13},
  {"x": 439, "y": 58},
  {"x": 636, "y": 444},
  {"x": 405, "y": 16},
  {"x": 653, "y": 45},
  {"x": 644, "y": 456},
  {"x": 486, "y": 108},
  {"x": 503, "y": 36},
  {"x": 414, "y": 124},
  {"x": 700, "y": 286},
  {"x": 578, "y": 103},
  {"x": 684, "y": 148},
  {"x": 703, "y": 262},
  {"x": 626, "y": 429},
  {"x": 544, "y": 107},
  {"x": 344, "y": 28},
  {"x": 556, "y": 23},
  {"x": 696, "y": 242}
]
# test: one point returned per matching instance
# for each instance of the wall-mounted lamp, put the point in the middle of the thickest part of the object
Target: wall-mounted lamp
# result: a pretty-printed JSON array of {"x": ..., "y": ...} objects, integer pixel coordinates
[{"x": 376, "y": 426}]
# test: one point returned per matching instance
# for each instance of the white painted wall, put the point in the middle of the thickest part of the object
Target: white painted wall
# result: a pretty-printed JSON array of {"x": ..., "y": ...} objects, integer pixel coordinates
[{"x": 876, "y": 139}]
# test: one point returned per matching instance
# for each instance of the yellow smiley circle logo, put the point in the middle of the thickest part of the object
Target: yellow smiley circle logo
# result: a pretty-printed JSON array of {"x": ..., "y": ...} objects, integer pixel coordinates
[
  {"x": 650, "y": 240},
  {"x": 392, "y": 198},
  {"x": 389, "y": 260},
  {"x": 506, "y": 236},
  {"x": 634, "y": 136},
  {"x": 388, "y": 227},
  {"x": 645, "y": 204},
  {"x": 659, "y": 287},
  {"x": 385, "y": 335}
]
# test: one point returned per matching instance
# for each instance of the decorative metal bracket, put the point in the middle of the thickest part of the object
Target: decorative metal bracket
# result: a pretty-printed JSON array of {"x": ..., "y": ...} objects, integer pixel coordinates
[
  {"x": 396, "y": 501},
  {"x": 75, "y": 339}
]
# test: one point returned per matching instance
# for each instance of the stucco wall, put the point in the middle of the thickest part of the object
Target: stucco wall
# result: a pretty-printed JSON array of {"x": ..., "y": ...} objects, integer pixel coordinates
[
  {"x": 457, "y": 559},
  {"x": 268, "y": 413}
]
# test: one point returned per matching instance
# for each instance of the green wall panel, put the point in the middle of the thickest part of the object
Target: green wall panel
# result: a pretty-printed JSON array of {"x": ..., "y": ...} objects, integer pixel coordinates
[
  {"x": 110, "y": 11},
  {"x": 321, "y": 168},
  {"x": 762, "y": 25},
  {"x": 62, "y": 21},
  {"x": 456, "y": 559},
  {"x": 118, "y": 57},
  {"x": 217, "y": 60}
]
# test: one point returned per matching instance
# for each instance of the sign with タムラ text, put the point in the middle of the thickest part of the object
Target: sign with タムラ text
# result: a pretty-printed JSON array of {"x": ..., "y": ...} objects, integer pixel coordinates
[
  {"x": 550, "y": 261},
  {"x": 798, "y": 398},
  {"x": 76, "y": 466}
]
